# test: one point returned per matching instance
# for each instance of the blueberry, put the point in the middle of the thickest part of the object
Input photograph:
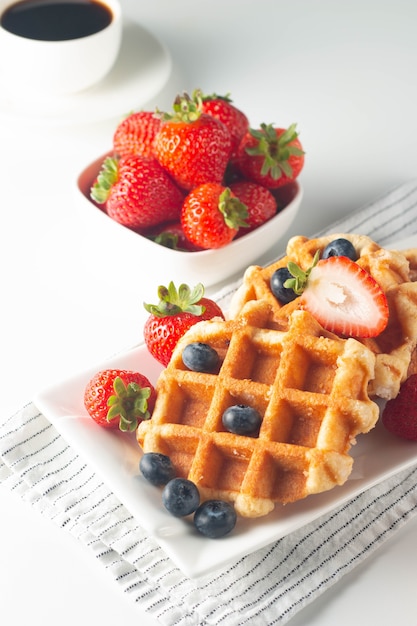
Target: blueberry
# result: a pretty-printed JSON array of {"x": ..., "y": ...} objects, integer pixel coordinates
[
  {"x": 241, "y": 419},
  {"x": 156, "y": 468},
  {"x": 200, "y": 357},
  {"x": 340, "y": 247},
  {"x": 215, "y": 518},
  {"x": 180, "y": 497},
  {"x": 278, "y": 278}
]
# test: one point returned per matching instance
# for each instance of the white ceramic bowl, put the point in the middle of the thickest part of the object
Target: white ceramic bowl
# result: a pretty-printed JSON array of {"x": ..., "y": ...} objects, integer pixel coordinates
[
  {"x": 114, "y": 246},
  {"x": 34, "y": 67}
]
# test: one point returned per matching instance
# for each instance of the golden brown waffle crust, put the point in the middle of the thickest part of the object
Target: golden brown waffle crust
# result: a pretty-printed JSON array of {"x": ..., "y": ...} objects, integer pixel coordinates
[
  {"x": 309, "y": 386},
  {"x": 394, "y": 271},
  {"x": 411, "y": 256}
]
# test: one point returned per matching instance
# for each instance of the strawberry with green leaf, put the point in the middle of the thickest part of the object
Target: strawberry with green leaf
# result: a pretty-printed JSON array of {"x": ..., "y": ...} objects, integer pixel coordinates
[
  {"x": 177, "y": 310},
  {"x": 118, "y": 398},
  {"x": 192, "y": 146},
  {"x": 137, "y": 192},
  {"x": 212, "y": 215},
  {"x": 270, "y": 156}
]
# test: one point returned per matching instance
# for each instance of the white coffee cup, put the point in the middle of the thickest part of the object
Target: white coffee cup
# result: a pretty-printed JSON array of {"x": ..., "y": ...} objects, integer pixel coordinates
[{"x": 44, "y": 68}]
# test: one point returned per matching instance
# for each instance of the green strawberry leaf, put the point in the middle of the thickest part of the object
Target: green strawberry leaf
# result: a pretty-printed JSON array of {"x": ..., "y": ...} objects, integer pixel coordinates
[
  {"x": 186, "y": 109},
  {"x": 213, "y": 96},
  {"x": 129, "y": 403},
  {"x": 233, "y": 210},
  {"x": 300, "y": 277},
  {"x": 173, "y": 301},
  {"x": 276, "y": 151},
  {"x": 107, "y": 177},
  {"x": 167, "y": 239}
]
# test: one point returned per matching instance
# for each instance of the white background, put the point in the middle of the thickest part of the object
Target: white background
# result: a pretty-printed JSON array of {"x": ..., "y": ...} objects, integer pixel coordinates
[{"x": 346, "y": 74}]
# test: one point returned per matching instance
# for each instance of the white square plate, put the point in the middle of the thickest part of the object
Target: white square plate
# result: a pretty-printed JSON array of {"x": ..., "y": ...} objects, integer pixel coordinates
[{"x": 115, "y": 457}]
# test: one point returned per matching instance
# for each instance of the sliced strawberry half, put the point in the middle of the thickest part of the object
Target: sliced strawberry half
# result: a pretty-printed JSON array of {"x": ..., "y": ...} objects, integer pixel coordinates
[{"x": 344, "y": 298}]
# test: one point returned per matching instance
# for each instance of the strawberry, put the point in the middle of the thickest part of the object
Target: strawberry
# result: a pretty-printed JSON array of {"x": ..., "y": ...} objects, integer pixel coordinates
[
  {"x": 259, "y": 201},
  {"x": 192, "y": 146},
  {"x": 137, "y": 192},
  {"x": 175, "y": 313},
  {"x": 136, "y": 134},
  {"x": 342, "y": 296},
  {"x": 221, "y": 107},
  {"x": 400, "y": 414},
  {"x": 117, "y": 398},
  {"x": 211, "y": 215},
  {"x": 270, "y": 156}
]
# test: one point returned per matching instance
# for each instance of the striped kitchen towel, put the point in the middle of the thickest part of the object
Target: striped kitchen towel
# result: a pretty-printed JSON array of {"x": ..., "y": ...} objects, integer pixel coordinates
[{"x": 268, "y": 586}]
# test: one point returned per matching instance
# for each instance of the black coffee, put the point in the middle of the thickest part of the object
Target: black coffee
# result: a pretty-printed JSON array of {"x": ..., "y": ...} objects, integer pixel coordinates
[{"x": 52, "y": 20}]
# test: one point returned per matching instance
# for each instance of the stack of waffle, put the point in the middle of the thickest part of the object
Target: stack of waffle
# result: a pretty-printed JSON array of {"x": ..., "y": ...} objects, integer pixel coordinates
[{"x": 313, "y": 389}]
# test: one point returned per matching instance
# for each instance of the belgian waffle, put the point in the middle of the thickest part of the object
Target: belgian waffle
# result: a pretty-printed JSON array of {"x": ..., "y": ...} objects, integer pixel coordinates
[
  {"x": 309, "y": 386},
  {"x": 395, "y": 274},
  {"x": 411, "y": 256}
]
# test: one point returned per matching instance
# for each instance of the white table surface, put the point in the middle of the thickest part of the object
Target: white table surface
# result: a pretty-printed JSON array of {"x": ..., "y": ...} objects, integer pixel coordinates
[{"x": 345, "y": 72}]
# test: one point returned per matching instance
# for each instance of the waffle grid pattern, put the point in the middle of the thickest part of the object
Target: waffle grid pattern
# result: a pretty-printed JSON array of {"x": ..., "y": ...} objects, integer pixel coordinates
[
  {"x": 310, "y": 388},
  {"x": 392, "y": 271}
]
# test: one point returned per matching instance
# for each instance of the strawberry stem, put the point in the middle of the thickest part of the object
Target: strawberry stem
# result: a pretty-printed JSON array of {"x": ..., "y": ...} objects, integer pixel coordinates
[
  {"x": 167, "y": 239},
  {"x": 233, "y": 210},
  {"x": 213, "y": 96},
  {"x": 173, "y": 301},
  {"x": 300, "y": 277},
  {"x": 186, "y": 109},
  {"x": 108, "y": 175},
  {"x": 275, "y": 150},
  {"x": 129, "y": 403}
]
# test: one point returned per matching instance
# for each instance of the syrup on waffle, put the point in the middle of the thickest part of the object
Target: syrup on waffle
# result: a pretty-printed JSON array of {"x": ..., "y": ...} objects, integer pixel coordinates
[
  {"x": 310, "y": 387},
  {"x": 395, "y": 274}
]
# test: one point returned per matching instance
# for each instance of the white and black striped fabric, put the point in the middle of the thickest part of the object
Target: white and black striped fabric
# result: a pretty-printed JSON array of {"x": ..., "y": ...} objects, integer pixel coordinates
[{"x": 266, "y": 587}]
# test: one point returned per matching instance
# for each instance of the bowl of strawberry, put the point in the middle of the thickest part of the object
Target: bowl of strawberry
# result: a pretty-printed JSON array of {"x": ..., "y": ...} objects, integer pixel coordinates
[{"x": 196, "y": 190}]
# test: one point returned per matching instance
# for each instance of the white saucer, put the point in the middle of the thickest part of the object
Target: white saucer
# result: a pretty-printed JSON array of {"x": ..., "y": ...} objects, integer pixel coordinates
[{"x": 142, "y": 69}]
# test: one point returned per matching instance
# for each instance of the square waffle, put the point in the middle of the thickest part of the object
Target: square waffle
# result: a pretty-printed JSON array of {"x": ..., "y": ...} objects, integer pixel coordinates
[
  {"x": 395, "y": 274},
  {"x": 309, "y": 386}
]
